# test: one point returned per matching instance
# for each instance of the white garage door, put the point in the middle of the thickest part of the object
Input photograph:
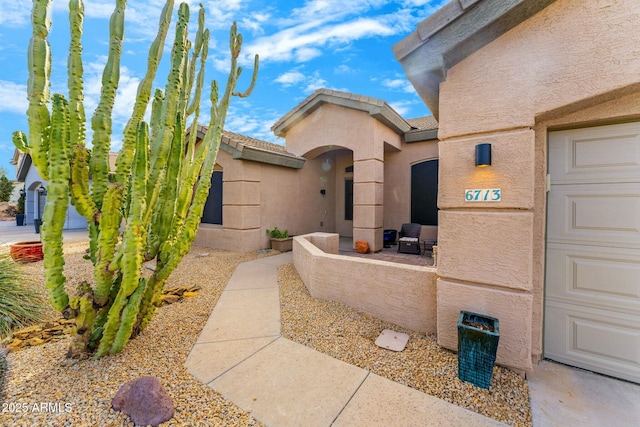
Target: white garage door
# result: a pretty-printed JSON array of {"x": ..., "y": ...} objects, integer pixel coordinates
[{"x": 592, "y": 289}]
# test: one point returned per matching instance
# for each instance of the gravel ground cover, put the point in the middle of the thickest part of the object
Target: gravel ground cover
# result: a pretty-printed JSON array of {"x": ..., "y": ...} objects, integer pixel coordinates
[
  {"x": 348, "y": 335},
  {"x": 79, "y": 392}
]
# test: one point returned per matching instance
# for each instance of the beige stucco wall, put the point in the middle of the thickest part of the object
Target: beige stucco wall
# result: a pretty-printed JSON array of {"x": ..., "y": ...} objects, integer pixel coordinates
[
  {"x": 573, "y": 64},
  {"x": 404, "y": 295},
  {"x": 569, "y": 52},
  {"x": 258, "y": 196}
]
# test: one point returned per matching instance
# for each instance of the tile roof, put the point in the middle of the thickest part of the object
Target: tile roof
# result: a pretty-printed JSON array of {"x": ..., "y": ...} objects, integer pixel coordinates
[
  {"x": 423, "y": 123},
  {"x": 233, "y": 139}
]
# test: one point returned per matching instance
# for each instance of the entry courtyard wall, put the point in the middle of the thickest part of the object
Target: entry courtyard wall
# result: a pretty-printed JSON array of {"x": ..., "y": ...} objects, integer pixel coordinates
[{"x": 401, "y": 294}]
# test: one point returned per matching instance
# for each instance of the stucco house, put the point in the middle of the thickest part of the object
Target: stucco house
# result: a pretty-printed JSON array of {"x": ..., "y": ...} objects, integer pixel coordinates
[
  {"x": 351, "y": 165},
  {"x": 554, "y": 87}
]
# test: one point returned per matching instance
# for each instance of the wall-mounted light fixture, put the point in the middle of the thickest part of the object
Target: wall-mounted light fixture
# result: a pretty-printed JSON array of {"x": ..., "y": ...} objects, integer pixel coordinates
[
  {"x": 42, "y": 190},
  {"x": 483, "y": 155}
]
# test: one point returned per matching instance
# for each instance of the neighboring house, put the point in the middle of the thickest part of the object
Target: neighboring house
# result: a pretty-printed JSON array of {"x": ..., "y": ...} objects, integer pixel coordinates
[
  {"x": 349, "y": 166},
  {"x": 36, "y": 191},
  {"x": 554, "y": 87}
]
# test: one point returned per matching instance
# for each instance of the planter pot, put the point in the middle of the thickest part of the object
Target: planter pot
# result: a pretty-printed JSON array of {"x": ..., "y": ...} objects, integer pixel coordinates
[
  {"x": 19, "y": 219},
  {"x": 282, "y": 245},
  {"x": 26, "y": 251},
  {"x": 478, "y": 338}
]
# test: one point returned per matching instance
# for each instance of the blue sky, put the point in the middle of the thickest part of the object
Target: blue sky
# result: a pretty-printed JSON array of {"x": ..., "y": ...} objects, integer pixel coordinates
[{"x": 303, "y": 45}]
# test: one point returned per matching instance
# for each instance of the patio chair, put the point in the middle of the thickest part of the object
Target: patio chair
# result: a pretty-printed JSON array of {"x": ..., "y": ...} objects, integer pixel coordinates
[{"x": 409, "y": 239}]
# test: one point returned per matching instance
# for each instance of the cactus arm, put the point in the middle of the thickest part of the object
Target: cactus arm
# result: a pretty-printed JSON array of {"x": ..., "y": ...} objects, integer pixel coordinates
[
  {"x": 80, "y": 197},
  {"x": 20, "y": 141},
  {"x": 202, "y": 50},
  {"x": 56, "y": 207},
  {"x": 129, "y": 315},
  {"x": 125, "y": 157},
  {"x": 167, "y": 204},
  {"x": 156, "y": 109},
  {"x": 254, "y": 78},
  {"x": 111, "y": 326},
  {"x": 107, "y": 240},
  {"x": 162, "y": 142},
  {"x": 134, "y": 235},
  {"x": 39, "y": 63},
  {"x": 75, "y": 71},
  {"x": 101, "y": 122}
]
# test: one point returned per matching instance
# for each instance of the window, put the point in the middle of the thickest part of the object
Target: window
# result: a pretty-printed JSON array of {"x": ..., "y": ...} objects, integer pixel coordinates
[
  {"x": 348, "y": 199},
  {"x": 212, "y": 213},
  {"x": 424, "y": 192}
]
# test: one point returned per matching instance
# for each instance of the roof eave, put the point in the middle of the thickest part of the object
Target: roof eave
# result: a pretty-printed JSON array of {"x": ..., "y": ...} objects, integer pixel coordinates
[
  {"x": 421, "y": 135},
  {"x": 454, "y": 32},
  {"x": 380, "y": 111}
]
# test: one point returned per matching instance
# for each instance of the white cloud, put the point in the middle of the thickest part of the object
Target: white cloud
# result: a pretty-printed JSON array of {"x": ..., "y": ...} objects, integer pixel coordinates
[
  {"x": 343, "y": 69},
  {"x": 402, "y": 107},
  {"x": 15, "y": 13},
  {"x": 315, "y": 82},
  {"x": 290, "y": 78},
  {"x": 400, "y": 84},
  {"x": 14, "y": 97},
  {"x": 307, "y": 82},
  {"x": 303, "y": 42}
]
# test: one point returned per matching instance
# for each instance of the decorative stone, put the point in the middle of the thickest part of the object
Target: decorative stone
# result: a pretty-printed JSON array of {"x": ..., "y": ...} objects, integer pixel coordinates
[
  {"x": 145, "y": 401},
  {"x": 362, "y": 247}
]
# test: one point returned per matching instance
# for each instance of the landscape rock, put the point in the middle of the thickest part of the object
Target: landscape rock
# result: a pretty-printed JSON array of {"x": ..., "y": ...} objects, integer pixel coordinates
[{"x": 145, "y": 401}]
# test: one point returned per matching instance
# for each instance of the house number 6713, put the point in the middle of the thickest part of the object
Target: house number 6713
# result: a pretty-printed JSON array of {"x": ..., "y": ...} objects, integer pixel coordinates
[{"x": 483, "y": 195}]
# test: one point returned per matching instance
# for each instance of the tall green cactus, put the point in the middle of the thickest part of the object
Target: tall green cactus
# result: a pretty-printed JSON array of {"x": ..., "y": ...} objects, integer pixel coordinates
[{"x": 154, "y": 183}]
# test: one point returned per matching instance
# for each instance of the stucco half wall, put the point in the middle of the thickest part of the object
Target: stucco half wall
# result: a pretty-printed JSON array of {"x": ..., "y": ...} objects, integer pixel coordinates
[{"x": 401, "y": 294}]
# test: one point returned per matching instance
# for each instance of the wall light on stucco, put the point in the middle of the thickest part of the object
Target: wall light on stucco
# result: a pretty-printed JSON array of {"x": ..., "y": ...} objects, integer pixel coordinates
[{"x": 483, "y": 155}]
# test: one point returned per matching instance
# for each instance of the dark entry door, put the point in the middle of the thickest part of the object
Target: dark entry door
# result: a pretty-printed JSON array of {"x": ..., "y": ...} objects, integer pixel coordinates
[{"x": 213, "y": 207}]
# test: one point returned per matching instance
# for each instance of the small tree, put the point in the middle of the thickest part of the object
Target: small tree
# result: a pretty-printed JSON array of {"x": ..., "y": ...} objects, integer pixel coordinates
[
  {"x": 161, "y": 183},
  {"x": 6, "y": 188}
]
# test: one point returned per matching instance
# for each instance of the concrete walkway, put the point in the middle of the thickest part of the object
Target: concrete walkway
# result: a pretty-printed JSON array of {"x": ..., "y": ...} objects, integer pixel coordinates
[{"x": 241, "y": 354}]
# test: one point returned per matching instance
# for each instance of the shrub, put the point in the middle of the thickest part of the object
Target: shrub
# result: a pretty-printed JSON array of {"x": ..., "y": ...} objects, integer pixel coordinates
[
  {"x": 277, "y": 234},
  {"x": 21, "y": 304}
]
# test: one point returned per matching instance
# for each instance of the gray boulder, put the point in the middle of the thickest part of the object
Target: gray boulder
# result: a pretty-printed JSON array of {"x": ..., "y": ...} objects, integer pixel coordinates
[{"x": 145, "y": 401}]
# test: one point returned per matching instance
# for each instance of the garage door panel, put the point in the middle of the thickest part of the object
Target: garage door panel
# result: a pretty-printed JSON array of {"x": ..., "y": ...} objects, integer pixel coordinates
[
  {"x": 595, "y": 277},
  {"x": 595, "y": 214},
  {"x": 594, "y": 339},
  {"x": 602, "y": 154},
  {"x": 592, "y": 278}
]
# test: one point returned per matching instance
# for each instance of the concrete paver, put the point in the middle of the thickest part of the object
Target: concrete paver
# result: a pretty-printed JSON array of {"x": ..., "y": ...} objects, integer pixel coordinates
[
  {"x": 208, "y": 360},
  {"x": 246, "y": 313},
  {"x": 241, "y": 354},
  {"x": 288, "y": 384},
  {"x": 382, "y": 402}
]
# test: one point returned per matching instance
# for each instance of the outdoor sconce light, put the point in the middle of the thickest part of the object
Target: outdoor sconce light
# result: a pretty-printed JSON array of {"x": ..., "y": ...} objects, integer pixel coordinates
[
  {"x": 483, "y": 155},
  {"x": 42, "y": 190},
  {"x": 22, "y": 192},
  {"x": 323, "y": 191}
]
